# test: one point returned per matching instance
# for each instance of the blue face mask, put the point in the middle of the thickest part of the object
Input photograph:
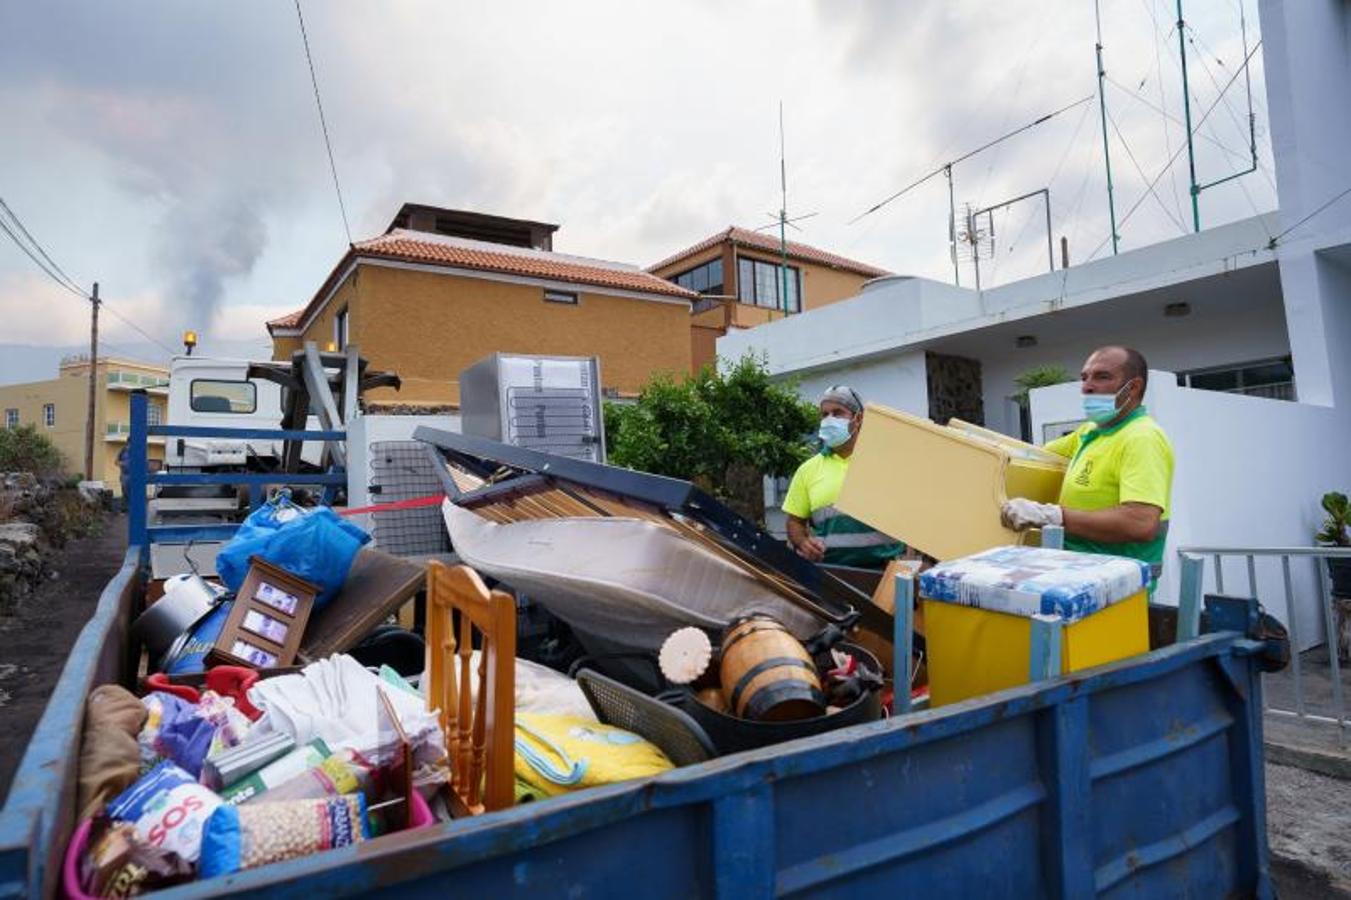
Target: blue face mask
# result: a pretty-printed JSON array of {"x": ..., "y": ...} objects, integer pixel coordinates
[
  {"x": 834, "y": 431},
  {"x": 1101, "y": 408}
]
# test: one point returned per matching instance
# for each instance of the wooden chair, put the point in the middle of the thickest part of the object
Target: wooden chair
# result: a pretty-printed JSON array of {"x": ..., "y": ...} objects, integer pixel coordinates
[{"x": 480, "y": 732}]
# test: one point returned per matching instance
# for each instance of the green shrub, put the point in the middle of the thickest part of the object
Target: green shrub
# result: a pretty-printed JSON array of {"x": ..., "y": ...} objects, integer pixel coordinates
[{"x": 24, "y": 449}]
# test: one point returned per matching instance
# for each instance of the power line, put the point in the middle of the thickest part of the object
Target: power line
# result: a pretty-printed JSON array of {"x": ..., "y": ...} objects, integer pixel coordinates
[
  {"x": 323, "y": 123},
  {"x": 948, "y": 166},
  {"x": 1143, "y": 177},
  {"x": 51, "y": 268},
  {"x": 1277, "y": 238}
]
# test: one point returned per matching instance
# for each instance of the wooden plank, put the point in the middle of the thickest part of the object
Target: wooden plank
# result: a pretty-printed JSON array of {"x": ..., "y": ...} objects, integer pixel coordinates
[{"x": 377, "y": 585}]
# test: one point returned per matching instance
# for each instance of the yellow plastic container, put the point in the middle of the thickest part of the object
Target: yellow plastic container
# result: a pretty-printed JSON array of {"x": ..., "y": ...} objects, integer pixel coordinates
[
  {"x": 939, "y": 488},
  {"x": 974, "y": 651}
]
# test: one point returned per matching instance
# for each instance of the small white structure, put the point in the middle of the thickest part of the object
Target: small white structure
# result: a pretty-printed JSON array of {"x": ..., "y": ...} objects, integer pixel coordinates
[{"x": 1259, "y": 308}]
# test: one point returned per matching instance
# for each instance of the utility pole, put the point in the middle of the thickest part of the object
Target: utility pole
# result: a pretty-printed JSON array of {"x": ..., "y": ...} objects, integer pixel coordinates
[
  {"x": 952, "y": 227},
  {"x": 1102, "y": 114},
  {"x": 93, "y": 384}
]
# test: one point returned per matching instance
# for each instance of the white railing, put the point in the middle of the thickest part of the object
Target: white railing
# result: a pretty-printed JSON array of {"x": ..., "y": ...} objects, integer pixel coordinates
[{"x": 1319, "y": 557}]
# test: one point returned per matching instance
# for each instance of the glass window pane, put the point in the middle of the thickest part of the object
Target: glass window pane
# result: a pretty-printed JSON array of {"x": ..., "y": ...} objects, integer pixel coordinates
[
  {"x": 715, "y": 272},
  {"x": 210, "y": 396},
  {"x": 1216, "y": 381},
  {"x": 745, "y": 281},
  {"x": 766, "y": 285},
  {"x": 699, "y": 279},
  {"x": 793, "y": 286},
  {"x": 1271, "y": 373}
]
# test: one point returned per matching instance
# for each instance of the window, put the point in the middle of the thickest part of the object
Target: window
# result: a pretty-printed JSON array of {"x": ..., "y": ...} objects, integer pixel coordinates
[
  {"x": 1272, "y": 378},
  {"x": 211, "y": 396},
  {"x": 705, "y": 279},
  {"x": 759, "y": 283},
  {"x": 49, "y": 415},
  {"x": 154, "y": 415},
  {"x": 11, "y": 418},
  {"x": 340, "y": 329},
  {"x": 560, "y": 297}
]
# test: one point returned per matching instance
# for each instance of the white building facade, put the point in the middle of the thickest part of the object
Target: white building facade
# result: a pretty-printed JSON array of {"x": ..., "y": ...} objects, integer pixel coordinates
[{"x": 1229, "y": 309}]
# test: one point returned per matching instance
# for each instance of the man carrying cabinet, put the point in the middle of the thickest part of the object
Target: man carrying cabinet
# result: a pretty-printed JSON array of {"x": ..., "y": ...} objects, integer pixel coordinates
[
  {"x": 816, "y": 529},
  {"x": 1115, "y": 496}
]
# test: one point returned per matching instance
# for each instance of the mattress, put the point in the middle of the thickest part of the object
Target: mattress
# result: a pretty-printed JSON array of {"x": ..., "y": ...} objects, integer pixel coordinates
[{"x": 1027, "y": 581}]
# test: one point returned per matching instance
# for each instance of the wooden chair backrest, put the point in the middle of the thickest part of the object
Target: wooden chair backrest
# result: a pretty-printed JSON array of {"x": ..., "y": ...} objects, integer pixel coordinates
[{"x": 479, "y": 731}]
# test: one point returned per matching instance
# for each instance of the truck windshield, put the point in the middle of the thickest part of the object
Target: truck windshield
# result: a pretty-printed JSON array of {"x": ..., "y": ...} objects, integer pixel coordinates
[{"x": 212, "y": 396}]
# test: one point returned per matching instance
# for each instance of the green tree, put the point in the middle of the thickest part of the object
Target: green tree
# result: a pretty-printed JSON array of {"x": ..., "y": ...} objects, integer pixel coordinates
[
  {"x": 24, "y": 449},
  {"x": 721, "y": 430},
  {"x": 1039, "y": 376}
]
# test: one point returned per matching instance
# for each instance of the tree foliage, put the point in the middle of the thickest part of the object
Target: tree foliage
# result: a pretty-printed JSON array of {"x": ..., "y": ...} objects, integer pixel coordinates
[
  {"x": 1039, "y": 376},
  {"x": 25, "y": 449},
  {"x": 712, "y": 427}
]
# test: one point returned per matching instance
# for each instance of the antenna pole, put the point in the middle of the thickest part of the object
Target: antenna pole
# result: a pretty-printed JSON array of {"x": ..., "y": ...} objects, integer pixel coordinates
[
  {"x": 1102, "y": 114},
  {"x": 952, "y": 227},
  {"x": 1187, "y": 110},
  {"x": 783, "y": 217}
]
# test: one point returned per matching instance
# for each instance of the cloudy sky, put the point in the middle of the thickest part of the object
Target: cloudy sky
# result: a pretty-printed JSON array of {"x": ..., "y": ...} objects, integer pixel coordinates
[{"x": 171, "y": 150}]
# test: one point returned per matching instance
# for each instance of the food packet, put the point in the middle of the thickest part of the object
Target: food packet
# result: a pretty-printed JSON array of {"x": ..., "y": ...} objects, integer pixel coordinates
[
  {"x": 117, "y": 863},
  {"x": 344, "y": 772},
  {"x": 168, "y": 808},
  {"x": 242, "y": 837}
]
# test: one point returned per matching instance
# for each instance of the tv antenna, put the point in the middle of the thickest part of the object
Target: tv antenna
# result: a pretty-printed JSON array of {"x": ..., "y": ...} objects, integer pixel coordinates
[{"x": 784, "y": 222}]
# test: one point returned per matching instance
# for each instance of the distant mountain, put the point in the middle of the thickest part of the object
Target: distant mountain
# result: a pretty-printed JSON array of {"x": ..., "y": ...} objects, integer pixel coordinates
[{"x": 25, "y": 362}]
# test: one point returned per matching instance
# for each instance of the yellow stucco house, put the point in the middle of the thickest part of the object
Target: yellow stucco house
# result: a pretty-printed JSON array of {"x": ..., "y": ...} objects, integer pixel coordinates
[
  {"x": 58, "y": 408},
  {"x": 739, "y": 275},
  {"x": 441, "y": 289}
]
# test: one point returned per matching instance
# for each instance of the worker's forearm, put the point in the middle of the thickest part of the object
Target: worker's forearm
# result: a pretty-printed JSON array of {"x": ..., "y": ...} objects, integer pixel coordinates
[
  {"x": 797, "y": 531},
  {"x": 1125, "y": 523}
]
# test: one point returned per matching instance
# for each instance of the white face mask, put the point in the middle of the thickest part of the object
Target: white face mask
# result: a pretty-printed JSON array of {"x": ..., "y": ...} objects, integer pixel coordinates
[{"x": 834, "y": 431}]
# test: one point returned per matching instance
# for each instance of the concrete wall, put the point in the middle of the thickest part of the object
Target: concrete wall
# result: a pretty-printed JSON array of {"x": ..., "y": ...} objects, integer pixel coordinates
[
  {"x": 428, "y": 326},
  {"x": 1249, "y": 472},
  {"x": 1170, "y": 344},
  {"x": 1307, "y": 62},
  {"x": 897, "y": 381}
]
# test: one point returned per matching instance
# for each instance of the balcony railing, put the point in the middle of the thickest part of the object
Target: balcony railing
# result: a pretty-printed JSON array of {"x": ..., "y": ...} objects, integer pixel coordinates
[
  {"x": 1284, "y": 390},
  {"x": 136, "y": 380}
]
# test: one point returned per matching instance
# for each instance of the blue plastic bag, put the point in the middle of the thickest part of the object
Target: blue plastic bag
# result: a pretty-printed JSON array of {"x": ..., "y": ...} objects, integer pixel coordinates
[{"x": 314, "y": 544}]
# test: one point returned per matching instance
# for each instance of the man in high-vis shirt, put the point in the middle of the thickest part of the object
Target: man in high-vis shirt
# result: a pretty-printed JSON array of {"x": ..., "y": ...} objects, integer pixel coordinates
[
  {"x": 816, "y": 529},
  {"x": 1115, "y": 496}
]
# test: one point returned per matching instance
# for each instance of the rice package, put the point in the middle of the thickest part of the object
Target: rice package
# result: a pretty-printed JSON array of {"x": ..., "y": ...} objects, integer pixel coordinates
[
  {"x": 1027, "y": 581},
  {"x": 242, "y": 837},
  {"x": 169, "y": 809}
]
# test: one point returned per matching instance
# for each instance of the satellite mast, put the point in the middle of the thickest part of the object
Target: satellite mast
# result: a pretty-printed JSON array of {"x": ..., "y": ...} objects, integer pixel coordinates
[{"x": 783, "y": 220}]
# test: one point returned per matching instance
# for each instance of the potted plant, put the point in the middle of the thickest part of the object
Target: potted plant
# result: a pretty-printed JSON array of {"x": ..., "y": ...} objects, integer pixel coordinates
[{"x": 1334, "y": 533}]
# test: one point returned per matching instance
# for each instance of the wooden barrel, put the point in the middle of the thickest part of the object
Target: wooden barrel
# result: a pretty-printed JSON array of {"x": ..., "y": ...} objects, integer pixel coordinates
[{"x": 767, "y": 675}]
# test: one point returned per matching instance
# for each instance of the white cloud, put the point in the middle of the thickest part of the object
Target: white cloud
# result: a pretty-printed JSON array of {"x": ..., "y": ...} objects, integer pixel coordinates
[{"x": 172, "y": 151}]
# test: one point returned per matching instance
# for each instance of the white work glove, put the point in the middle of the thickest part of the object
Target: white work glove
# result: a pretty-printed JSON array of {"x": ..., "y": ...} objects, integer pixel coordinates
[{"x": 1021, "y": 514}]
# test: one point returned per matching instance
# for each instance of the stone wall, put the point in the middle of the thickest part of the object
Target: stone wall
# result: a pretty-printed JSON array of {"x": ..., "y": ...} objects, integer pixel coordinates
[{"x": 38, "y": 515}]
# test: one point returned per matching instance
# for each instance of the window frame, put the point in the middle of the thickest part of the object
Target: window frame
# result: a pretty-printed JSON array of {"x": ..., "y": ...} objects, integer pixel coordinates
[
  {"x": 12, "y": 417},
  {"x": 686, "y": 278},
  {"x": 1238, "y": 370},
  {"x": 746, "y": 288},
  {"x": 192, "y": 399},
  {"x": 342, "y": 324},
  {"x": 565, "y": 298},
  {"x": 49, "y": 415}
]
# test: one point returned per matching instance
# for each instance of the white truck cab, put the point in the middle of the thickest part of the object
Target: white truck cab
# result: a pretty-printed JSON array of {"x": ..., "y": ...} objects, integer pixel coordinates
[{"x": 216, "y": 393}]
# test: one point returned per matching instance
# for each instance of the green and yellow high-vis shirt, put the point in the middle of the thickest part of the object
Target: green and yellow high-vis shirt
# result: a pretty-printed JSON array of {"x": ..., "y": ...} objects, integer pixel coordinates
[
  {"x": 811, "y": 496},
  {"x": 1131, "y": 462}
]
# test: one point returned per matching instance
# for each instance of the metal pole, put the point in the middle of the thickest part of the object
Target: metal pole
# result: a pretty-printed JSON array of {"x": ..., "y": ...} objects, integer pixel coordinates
[
  {"x": 1187, "y": 112},
  {"x": 93, "y": 384},
  {"x": 783, "y": 217},
  {"x": 952, "y": 227},
  {"x": 975, "y": 246},
  {"x": 1102, "y": 114},
  {"x": 1050, "y": 246}
]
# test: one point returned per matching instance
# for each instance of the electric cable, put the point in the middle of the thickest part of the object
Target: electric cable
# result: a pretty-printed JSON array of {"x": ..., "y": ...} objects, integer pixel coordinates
[
  {"x": 37, "y": 246},
  {"x": 948, "y": 165},
  {"x": 1278, "y": 238},
  {"x": 323, "y": 123},
  {"x": 1143, "y": 177}
]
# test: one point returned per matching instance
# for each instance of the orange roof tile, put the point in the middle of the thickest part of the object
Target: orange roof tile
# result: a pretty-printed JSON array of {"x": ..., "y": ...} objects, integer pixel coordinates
[
  {"x": 461, "y": 253},
  {"x": 744, "y": 237}
]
